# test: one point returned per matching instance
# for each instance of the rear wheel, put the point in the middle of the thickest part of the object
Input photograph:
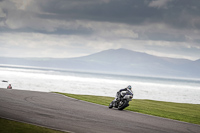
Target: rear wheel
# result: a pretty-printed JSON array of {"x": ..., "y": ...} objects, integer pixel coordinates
[{"x": 123, "y": 104}]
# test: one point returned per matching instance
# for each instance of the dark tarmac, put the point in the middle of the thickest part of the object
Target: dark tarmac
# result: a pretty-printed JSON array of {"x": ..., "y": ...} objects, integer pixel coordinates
[{"x": 60, "y": 112}]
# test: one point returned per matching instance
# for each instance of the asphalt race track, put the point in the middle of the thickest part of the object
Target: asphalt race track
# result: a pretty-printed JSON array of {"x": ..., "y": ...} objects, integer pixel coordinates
[{"x": 63, "y": 113}]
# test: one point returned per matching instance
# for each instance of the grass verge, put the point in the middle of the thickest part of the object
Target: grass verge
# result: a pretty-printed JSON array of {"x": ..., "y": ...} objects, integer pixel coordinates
[
  {"x": 9, "y": 126},
  {"x": 177, "y": 111}
]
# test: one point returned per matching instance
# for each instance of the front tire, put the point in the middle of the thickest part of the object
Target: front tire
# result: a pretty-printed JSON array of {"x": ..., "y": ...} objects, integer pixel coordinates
[
  {"x": 111, "y": 105},
  {"x": 123, "y": 105}
]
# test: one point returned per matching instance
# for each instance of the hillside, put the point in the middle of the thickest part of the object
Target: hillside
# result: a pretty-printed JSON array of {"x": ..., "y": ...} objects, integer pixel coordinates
[{"x": 120, "y": 61}]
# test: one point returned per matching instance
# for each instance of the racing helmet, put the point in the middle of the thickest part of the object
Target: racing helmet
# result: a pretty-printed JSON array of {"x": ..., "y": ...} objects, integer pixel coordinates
[{"x": 129, "y": 87}]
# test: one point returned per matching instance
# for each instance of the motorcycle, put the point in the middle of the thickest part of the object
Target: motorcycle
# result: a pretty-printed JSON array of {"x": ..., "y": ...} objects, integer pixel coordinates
[{"x": 123, "y": 101}]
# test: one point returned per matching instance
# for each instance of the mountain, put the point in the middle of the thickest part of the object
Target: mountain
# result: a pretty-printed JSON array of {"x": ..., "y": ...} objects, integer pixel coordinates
[{"x": 119, "y": 61}]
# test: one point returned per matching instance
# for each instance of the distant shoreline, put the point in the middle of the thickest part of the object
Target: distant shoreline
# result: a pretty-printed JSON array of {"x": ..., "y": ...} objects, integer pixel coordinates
[{"x": 93, "y": 72}]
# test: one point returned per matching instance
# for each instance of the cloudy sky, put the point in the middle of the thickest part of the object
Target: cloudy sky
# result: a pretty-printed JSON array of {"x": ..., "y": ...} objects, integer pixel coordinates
[{"x": 72, "y": 28}]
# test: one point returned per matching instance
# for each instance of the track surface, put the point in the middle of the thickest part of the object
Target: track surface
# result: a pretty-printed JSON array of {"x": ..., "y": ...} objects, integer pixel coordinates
[{"x": 60, "y": 112}]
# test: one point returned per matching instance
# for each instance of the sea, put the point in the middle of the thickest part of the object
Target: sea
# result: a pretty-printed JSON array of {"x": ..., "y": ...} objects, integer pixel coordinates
[{"x": 100, "y": 84}]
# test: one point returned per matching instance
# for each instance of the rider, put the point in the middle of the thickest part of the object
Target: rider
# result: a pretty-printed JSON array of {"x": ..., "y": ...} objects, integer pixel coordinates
[{"x": 118, "y": 95}]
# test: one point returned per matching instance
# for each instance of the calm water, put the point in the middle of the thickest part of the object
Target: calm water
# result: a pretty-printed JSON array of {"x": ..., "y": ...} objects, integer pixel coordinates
[{"x": 47, "y": 80}]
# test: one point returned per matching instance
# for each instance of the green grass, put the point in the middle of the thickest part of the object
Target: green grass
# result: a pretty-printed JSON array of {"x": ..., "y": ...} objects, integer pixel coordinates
[
  {"x": 177, "y": 111},
  {"x": 9, "y": 126}
]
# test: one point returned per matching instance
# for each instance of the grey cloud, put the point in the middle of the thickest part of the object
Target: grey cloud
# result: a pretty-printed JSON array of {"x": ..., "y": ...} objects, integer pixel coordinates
[
  {"x": 162, "y": 36},
  {"x": 127, "y": 11},
  {"x": 159, "y": 3},
  {"x": 177, "y": 14},
  {"x": 53, "y": 16}
]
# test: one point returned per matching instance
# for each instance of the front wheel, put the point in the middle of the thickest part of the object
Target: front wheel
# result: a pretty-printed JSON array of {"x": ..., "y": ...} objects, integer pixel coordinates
[
  {"x": 111, "y": 105},
  {"x": 123, "y": 104}
]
